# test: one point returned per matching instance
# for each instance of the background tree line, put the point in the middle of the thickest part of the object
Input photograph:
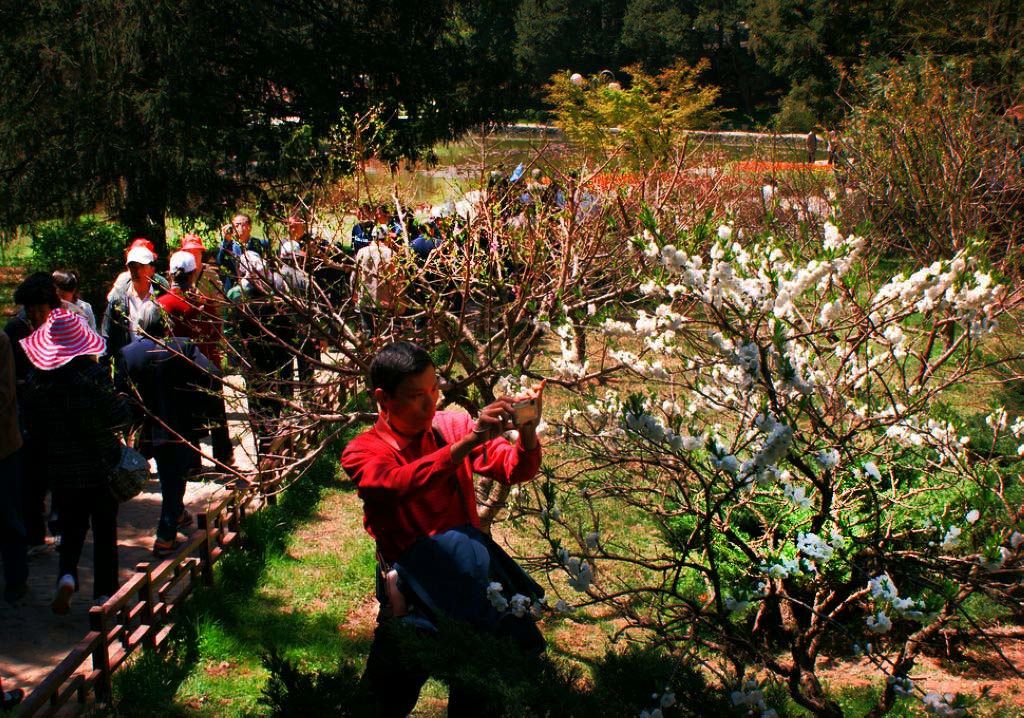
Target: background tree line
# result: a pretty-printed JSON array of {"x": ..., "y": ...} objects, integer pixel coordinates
[{"x": 186, "y": 108}]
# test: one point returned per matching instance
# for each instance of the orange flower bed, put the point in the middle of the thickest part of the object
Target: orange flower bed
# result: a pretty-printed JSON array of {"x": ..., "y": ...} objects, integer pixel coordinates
[{"x": 758, "y": 166}]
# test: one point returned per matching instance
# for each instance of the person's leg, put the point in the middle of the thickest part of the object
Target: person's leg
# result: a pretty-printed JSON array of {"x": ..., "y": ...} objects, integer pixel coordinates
[
  {"x": 171, "y": 470},
  {"x": 12, "y": 532},
  {"x": 33, "y": 497},
  {"x": 103, "y": 509},
  {"x": 73, "y": 509},
  {"x": 390, "y": 678},
  {"x": 219, "y": 436}
]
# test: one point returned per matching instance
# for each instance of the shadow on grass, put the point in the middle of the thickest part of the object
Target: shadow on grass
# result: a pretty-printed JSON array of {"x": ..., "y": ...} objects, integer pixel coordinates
[{"x": 233, "y": 619}]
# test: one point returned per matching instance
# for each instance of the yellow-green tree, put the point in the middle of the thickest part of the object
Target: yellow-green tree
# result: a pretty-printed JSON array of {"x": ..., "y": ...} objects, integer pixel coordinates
[{"x": 644, "y": 121}]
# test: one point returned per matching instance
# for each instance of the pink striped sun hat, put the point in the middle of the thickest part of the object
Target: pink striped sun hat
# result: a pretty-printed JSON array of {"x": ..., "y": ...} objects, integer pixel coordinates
[{"x": 63, "y": 337}]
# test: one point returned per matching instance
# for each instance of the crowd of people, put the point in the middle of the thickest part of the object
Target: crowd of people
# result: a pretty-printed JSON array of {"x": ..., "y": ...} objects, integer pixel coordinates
[{"x": 74, "y": 390}]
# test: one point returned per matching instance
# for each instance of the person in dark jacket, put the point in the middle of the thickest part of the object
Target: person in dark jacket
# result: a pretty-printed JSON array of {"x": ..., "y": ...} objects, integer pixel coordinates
[
  {"x": 173, "y": 383},
  {"x": 37, "y": 297},
  {"x": 75, "y": 418}
]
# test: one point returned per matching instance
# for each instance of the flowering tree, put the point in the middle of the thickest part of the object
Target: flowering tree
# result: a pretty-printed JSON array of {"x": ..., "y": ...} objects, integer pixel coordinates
[
  {"x": 779, "y": 452},
  {"x": 481, "y": 301}
]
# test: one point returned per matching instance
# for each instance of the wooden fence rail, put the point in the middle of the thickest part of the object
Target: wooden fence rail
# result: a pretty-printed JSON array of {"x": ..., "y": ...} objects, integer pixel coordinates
[{"x": 140, "y": 614}]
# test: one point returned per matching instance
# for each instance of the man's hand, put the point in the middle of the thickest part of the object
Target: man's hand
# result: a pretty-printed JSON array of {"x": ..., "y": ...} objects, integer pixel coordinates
[{"x": 493, "y": 420}]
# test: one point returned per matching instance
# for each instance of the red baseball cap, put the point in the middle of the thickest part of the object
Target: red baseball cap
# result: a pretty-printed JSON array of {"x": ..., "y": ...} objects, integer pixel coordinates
[
  {"x": 192, "y": 241},
  {"x": 141, "y": 242}
]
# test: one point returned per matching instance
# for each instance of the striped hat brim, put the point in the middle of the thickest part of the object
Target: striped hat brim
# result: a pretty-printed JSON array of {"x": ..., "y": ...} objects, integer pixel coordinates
[{"x": 63, "y": 337}]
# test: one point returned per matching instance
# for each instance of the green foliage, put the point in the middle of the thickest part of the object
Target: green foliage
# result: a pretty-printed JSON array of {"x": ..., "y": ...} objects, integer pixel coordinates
[
  {"x": 509, "y": 683},
  {"x": 290, "y": 693},
  {"x": 92, "y": 245},
  {"x": 646, "y": 121}
]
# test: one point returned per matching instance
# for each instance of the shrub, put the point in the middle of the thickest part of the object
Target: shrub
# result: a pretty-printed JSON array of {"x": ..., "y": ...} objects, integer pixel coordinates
[
  {"x": 89, "y": 244},
  {"x": 936, "y": 161}
]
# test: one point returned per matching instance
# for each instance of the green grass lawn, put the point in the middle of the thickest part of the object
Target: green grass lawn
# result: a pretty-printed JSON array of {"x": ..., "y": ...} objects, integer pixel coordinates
[{"x": 291, "y": 587}]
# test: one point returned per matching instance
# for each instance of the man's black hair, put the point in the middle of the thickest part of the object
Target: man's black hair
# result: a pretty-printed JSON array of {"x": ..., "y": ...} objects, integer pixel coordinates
[
  {"x": 37, "y": 288},
  {"x": 395, "y": 362}
]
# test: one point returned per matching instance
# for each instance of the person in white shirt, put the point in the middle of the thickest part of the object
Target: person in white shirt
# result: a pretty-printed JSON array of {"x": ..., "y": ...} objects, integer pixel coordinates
[
  {"x": 375, "y": 288},
  {"x": 66, "y": 282}
]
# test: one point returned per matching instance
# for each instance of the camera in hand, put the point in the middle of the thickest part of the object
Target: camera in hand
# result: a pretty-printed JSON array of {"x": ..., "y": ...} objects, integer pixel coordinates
[{"x": 523, "y": 411}]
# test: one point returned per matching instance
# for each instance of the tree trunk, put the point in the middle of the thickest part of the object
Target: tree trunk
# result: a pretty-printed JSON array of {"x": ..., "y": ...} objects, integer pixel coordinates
[{"x": 143, "y": 211}]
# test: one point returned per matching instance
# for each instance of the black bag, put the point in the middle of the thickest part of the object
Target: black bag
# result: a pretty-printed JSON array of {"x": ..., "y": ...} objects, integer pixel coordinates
[{"x": 129, "y": 476}]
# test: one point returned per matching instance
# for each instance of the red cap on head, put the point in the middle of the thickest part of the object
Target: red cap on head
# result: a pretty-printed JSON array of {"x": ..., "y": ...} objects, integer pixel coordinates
[
  {"x": 141, "y": 242},
  {"x": 192, "y": 241}
]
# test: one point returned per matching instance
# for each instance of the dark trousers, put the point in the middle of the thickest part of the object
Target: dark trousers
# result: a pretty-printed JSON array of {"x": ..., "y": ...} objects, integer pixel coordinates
[
  {"x": 12, "y": 531},
  {"x": 33, "y": 493},
  {"x": 174, "y": 463},
  {"x": 78, "y": 510},
  {"x": 219, "y": 436},
  {"x": 394, "y": 679}
]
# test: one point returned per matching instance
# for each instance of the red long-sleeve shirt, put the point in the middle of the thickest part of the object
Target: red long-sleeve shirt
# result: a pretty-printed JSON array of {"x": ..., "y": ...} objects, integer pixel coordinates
[{"x": 412, "y": 488}]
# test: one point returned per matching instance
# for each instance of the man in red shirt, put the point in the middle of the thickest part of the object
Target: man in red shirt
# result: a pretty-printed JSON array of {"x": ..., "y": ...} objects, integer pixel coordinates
[{"x": 413, "y": 471}]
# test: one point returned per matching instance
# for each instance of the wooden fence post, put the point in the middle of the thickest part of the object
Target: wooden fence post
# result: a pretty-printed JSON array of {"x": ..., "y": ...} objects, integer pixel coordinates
[
  {"x": 206, "y": 559},
  {"x": 146, "y": 592},
  {"x": 101, "y": 655}
]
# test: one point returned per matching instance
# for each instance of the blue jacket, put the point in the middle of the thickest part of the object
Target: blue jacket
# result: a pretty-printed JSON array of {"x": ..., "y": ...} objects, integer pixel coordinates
[{"x": 174, "y": 381}]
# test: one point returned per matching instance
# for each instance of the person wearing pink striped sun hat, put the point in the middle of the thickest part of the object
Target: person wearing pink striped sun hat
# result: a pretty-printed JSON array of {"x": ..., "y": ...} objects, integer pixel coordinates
[
  {"x": 73, "y": 412},
  {"x": 64, "y": 336}
]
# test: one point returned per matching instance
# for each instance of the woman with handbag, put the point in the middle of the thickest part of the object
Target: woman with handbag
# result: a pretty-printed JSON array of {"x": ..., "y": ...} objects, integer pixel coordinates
[{"x": 74, "y": 413}]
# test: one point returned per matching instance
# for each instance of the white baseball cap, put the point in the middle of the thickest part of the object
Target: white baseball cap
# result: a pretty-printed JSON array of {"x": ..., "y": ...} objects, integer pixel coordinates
[
  {"x": 139, "y": 255},
  {"x": 291, "y": 248},
  {"x": 182, "y": 262}
]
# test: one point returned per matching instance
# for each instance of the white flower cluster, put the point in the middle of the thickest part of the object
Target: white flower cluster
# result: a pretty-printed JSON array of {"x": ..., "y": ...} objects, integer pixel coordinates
[
  {"x": 813, "y": 546},
  {"x": 745, "y": 280},
  {"x": 971, "y": 297},
  {"x": 796, "y": 494},
  {"x": 581, "y": 573},
  {"x": 519, "y": 605},
  {"x": 569, "y": 365},
  {"x": 751, "y": 697},
  {"x": 654, "y": 428},
  {"x": 761, "y": 468},
  {"x": 914, "y": 431},
  {"x": 901, "y": 685},
  {"x": 784, "y": 568},
  {"x": 648, "y": 370},
  {"x": 827, "y": 458},
  {"x": 665, "y": 700},
  {"x": 940, "y": 705},
  {"x": 884, "y": 594}
]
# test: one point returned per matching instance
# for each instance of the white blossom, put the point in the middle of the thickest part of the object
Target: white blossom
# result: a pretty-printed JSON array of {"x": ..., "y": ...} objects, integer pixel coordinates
[
  {"x": 940, "y": 705},
  {"x": 882, "y": 588},
  {"x": 952, "y": 538},
  {"x": 901, "y": 684},
  {"x": 494, "y": 595},
  {"x": 879, "y": 623},
  {"x": 827, "y": 459},
  {"x": 519, "y": 605}
]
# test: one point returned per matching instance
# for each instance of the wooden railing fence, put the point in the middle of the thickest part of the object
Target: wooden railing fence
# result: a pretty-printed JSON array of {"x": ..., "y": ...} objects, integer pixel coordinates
[{"x": 141, "y": 613}]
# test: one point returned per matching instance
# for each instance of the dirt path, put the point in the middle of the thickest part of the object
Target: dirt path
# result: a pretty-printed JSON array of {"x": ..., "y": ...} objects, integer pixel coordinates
[{"x": 32, "y": 639}]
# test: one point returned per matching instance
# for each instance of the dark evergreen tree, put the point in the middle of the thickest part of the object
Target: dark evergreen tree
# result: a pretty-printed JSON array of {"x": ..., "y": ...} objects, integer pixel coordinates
[{"x": 153, "y": 106}]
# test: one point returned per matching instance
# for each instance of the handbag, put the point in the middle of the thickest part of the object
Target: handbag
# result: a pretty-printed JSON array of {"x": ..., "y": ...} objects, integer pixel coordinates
[{"x": 129, "y": 476}]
